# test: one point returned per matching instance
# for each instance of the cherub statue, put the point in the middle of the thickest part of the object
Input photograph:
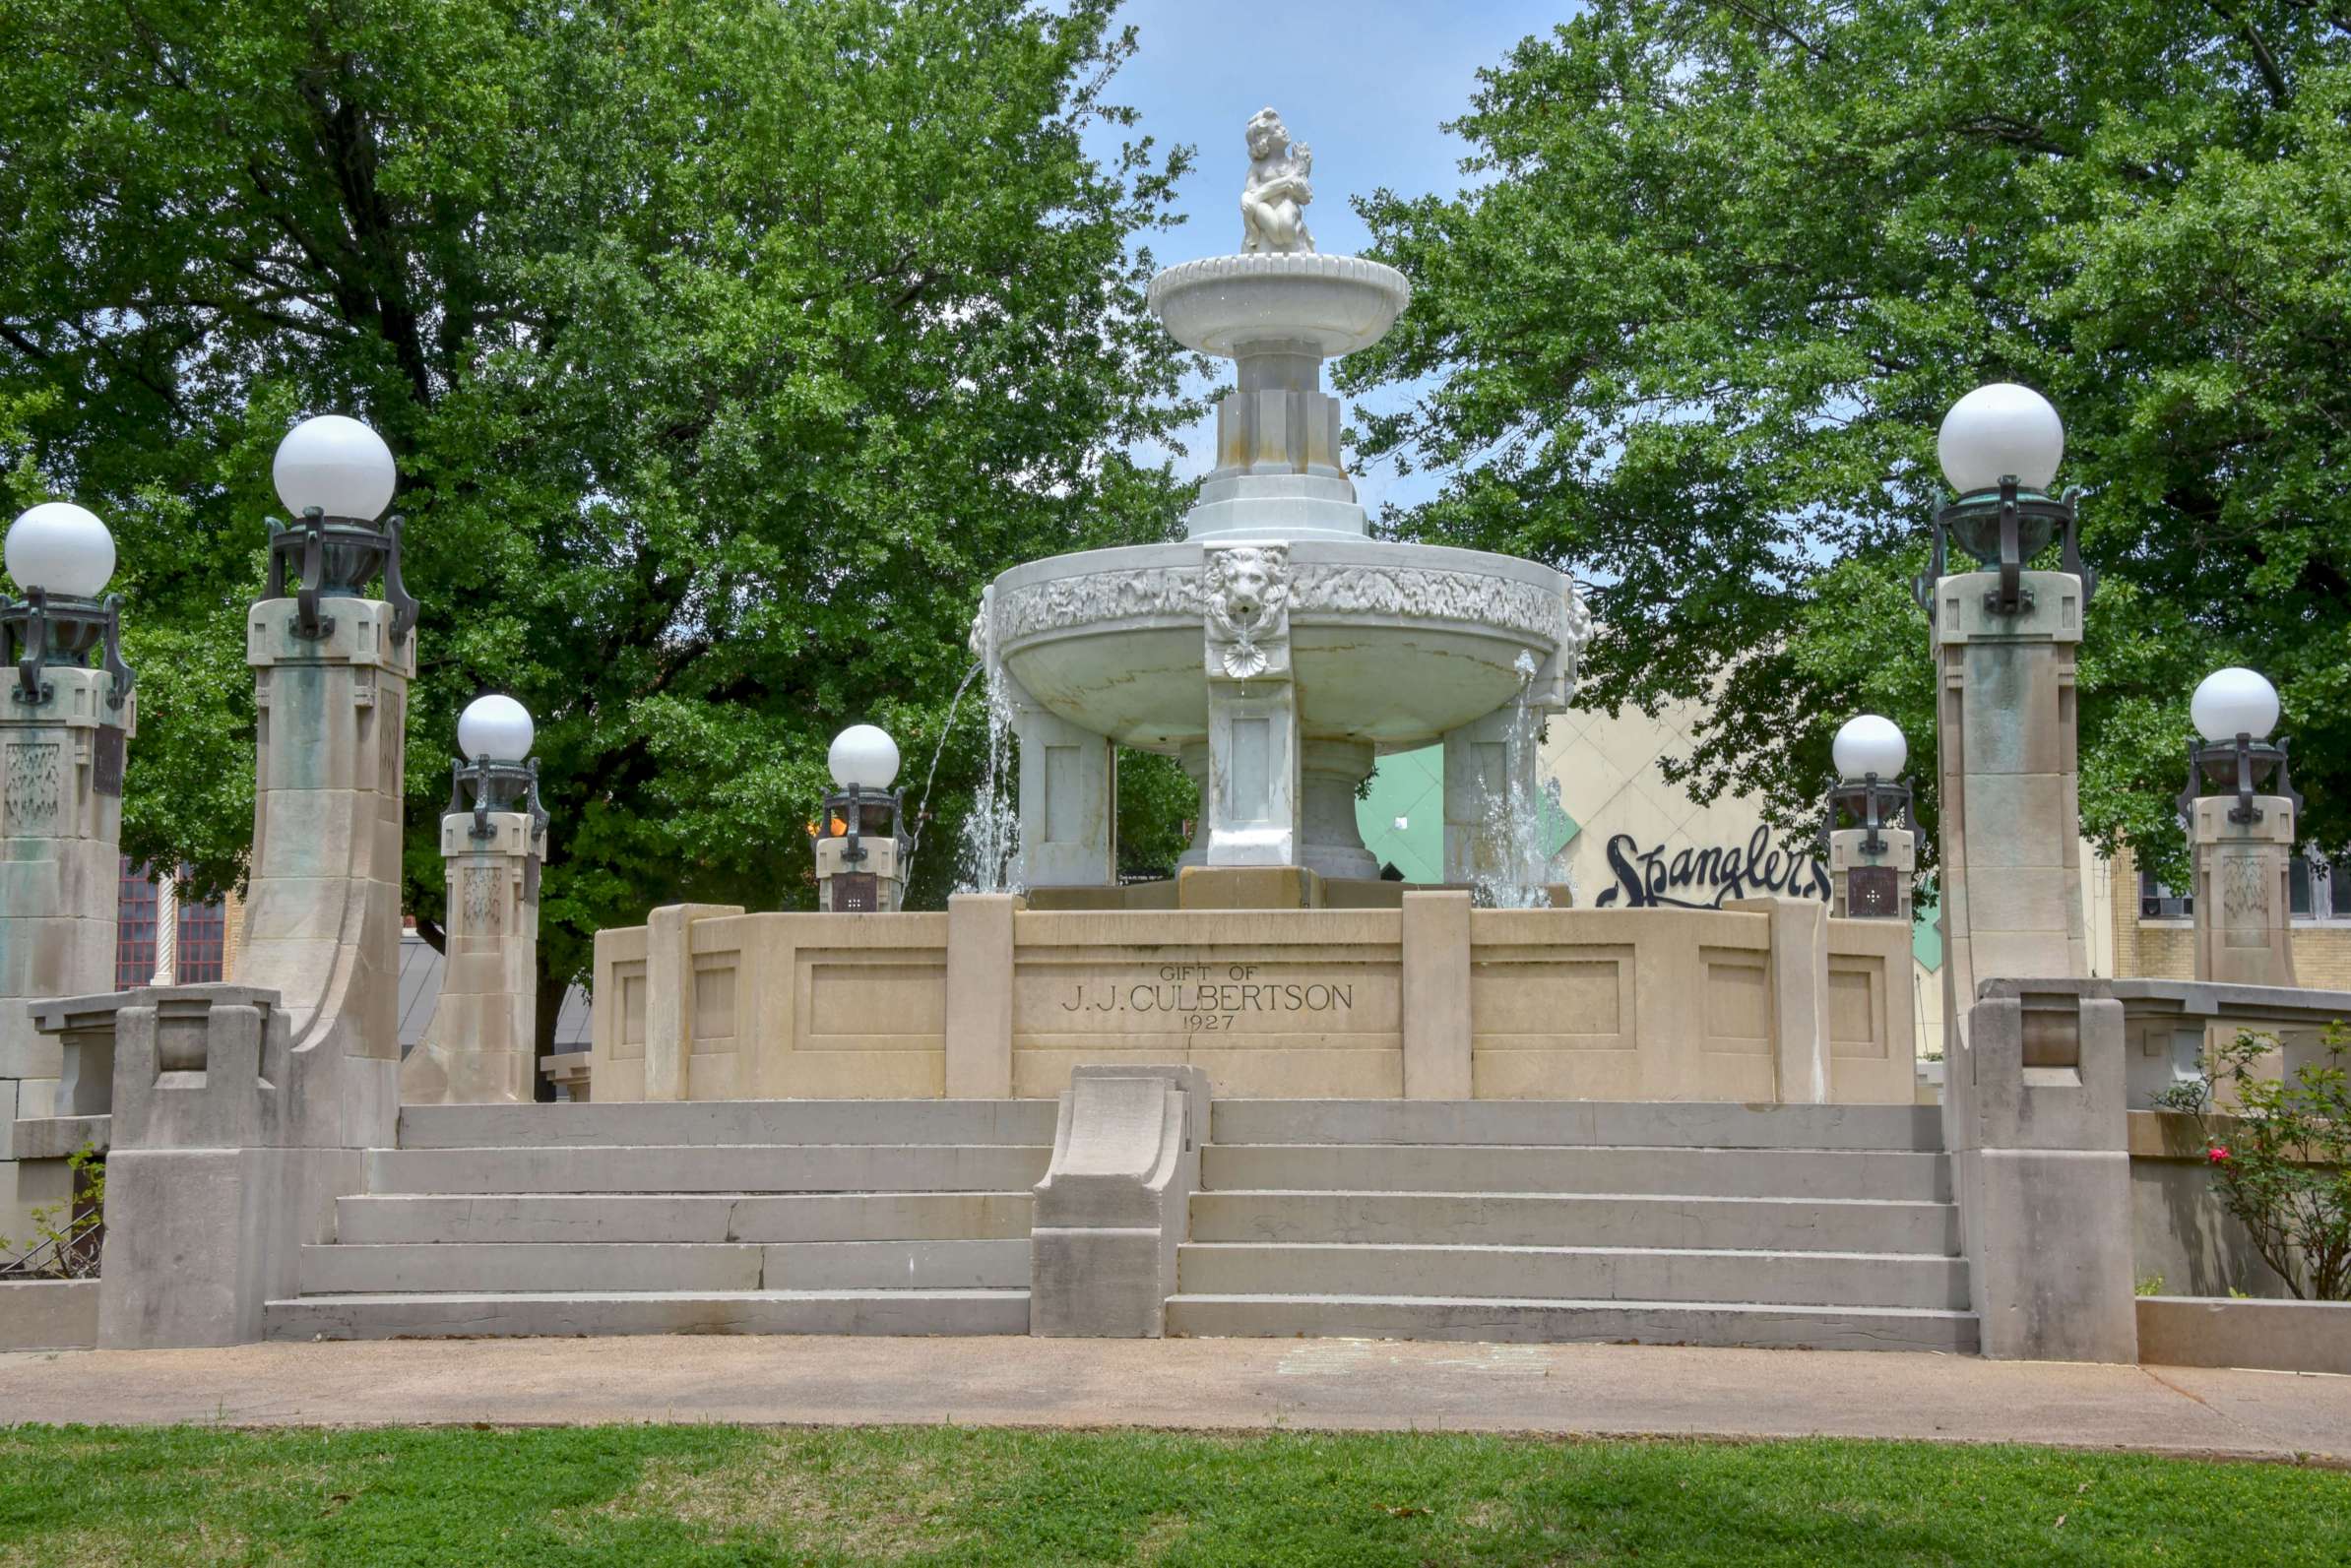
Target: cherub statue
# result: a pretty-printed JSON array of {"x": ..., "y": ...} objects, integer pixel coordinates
[{"x": 1273, "y": 201}]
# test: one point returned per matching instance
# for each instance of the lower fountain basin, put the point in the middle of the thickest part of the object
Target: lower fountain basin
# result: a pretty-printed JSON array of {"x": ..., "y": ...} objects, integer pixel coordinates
[{"x": 1389, "y": 643}]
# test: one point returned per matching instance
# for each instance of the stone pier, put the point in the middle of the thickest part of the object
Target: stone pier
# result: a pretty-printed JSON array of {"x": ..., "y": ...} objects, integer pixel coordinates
[
  {"x": 61, "y": 766},
  {"x": 482, "y": 1043},
  {"x": 2004, "y": 727},
  {"x": 2244, "y": 891},
  {"x": 267, "y": 1093}
]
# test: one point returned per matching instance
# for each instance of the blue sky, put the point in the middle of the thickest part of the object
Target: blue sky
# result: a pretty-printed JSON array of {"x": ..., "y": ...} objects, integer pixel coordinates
[{"x": 1366, "y": 83}]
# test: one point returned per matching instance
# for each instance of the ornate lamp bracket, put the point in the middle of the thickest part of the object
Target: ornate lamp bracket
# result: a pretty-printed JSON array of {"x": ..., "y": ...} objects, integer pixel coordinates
[
  {"x": 1873, "y": 803},
  {"x": 2007, "y": 543},
  {"x": 495, "y": 787},
  {"x": 2238, "y": 765},
  {"x": 30, "y": 622},
  {"x": 125, "y": 677},
  {"x": 45, "y": 629},
  {"x": 352, "y": 552}
]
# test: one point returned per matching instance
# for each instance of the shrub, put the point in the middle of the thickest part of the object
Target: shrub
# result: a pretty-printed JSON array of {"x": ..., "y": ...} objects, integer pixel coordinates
[
  {"x": 65, "y": 1239},
  {"x": 2282, "y": 1162}
]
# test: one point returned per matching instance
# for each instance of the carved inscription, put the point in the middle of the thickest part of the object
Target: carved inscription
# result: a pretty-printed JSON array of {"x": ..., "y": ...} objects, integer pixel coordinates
[
  {"x": 1209, "y": 998},
  {"x": 34, "y": 788}
]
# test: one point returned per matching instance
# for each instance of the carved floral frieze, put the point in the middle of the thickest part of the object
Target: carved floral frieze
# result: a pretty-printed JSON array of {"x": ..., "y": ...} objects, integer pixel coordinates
[{"x": 1412, "y": 593}]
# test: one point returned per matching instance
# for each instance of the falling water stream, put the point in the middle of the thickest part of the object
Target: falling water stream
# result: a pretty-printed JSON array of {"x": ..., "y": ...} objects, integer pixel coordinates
[
  {"x": 990, "y": 860},
  {"x": 1514, "y": 873},
  {"x": 947, "y": 733}
]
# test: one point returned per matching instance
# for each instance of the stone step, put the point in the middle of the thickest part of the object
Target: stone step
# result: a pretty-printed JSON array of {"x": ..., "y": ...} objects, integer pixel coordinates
[
  {"x": 711, "y": 1167},
  {"x": 490, "y": 1314},
  {"x": 1596, "y": 1274},
  {"x": 1582, "y": 1124},
  {"x": 1587, "y": 1219},
  {"x": 1455, "y": 1168},
  {"x": 734, "y": 1121},
  {"x": 1551, "y": 1322},
  {"x": 612, "y": 1267},
  {"x": 684, "y": 1217}
]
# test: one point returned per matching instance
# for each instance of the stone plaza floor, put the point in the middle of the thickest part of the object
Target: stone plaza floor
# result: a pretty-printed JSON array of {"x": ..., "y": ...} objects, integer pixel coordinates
[{"x": 1611, "y": 1390}]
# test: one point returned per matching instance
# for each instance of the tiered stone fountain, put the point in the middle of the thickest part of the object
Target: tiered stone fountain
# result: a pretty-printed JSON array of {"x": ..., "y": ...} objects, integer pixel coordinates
[{"x": 1278, "y": 648}]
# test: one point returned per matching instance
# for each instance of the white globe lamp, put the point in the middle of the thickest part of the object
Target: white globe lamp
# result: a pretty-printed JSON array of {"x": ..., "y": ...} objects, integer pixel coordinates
[
  {"x": 2234, "y": 701},
  {"x": 498, "y": 728},
  {"x": 863, "y": 757},
  {"x": 1869, "y": 744},
  {"x": 337, "y": 464},
  {"x": 60, "y": 548},
  {"x": 1996, "y": 431}
]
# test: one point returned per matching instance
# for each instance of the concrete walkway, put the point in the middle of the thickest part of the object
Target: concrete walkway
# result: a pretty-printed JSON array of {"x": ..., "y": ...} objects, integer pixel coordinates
[{"x": 1217, "y": 1383}]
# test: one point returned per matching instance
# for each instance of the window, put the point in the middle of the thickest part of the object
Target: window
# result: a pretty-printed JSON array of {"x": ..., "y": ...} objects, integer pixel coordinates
[
  {"x": 134, "y": 928},
  {"x": 2159, "y": 902},
  {"x": 203, "y": 942},
  {"x": 200, "y": 955},
  {"x": 2302, "y": 876}
]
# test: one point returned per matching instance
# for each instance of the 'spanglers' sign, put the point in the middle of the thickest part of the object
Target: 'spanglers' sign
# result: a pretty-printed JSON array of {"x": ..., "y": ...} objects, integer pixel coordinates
[{"x": 1701, "y": 879}]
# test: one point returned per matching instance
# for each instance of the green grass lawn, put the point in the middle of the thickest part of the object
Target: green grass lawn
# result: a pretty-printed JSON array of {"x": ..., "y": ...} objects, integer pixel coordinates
[{"x": 716, "y": 1494}]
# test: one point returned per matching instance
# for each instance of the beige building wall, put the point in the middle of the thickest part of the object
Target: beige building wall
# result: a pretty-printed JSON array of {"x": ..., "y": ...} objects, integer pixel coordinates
[
  {"x": 2165, "y": 948},
  {"x": 1610, "y": 776}
]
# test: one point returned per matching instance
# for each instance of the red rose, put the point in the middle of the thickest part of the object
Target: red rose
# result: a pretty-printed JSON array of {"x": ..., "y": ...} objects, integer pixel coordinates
[{"x": 2217, "y": 1155}]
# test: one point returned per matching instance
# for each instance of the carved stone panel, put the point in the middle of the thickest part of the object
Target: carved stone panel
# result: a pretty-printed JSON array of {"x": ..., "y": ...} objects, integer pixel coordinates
[
  {"x": 482, "y": 906},
  {"x": 31, "y": 786}
]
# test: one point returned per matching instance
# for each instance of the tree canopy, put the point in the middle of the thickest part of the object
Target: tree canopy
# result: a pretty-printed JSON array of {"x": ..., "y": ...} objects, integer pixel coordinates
[
  {"x": 1724, "y": 265},
  {"x": 726, "y": 351}
]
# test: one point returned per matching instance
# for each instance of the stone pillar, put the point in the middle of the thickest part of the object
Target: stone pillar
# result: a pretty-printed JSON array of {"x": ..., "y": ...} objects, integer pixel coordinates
[
  {"x": 2004, "y": 727},
  {"x": 1800, "y": 1045},
  {"x": 1331, "y": 841},
  {"x": 264, "y": 1095},
  {"x": 167, "y": 969},
  {"x": 1487, "y": 761},
  {"x": 669, "y": 996},
  {"x": 1068, "y": 799},
  {"x": 1885, "y": 877},
  {"x": 481, "y": 1044},
  {"x": 1254, "y": 802},
  {"x": 2035, "y": 1118},
  {"x": 1438, "y": 1059},
  {"x": 980, "y": 958},
  {"x": 2244, "y": 891},
  {"x": 61, "y": 762}
]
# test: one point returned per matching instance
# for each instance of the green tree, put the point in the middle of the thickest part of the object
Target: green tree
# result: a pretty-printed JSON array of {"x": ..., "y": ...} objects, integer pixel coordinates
[
  {"x": 726, "y": 348},
  {"x": 1725, "y": 265}
]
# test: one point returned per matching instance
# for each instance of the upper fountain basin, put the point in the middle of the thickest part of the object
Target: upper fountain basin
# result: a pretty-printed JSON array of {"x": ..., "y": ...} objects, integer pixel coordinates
[
  {"x": 1391, "y": 644},
  {"x": 1336, "y": 304}
]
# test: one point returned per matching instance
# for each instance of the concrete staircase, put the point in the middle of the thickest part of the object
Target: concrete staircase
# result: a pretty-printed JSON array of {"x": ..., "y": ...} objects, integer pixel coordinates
[
  {"x": 1799, "y": 1226},
  {"x": 745, "y": 1217}
]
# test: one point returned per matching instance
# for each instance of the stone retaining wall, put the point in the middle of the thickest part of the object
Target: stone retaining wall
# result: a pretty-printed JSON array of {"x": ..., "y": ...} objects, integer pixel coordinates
[{"x": 1435, "y": 1000}]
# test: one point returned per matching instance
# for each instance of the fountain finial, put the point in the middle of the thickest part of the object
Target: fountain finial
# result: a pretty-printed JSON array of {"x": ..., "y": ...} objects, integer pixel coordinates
[{"x": 1274, "y": 197}]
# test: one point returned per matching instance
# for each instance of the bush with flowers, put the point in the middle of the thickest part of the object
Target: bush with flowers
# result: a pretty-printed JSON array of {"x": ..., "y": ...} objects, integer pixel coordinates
[{"x": 2281, "y": 1158}]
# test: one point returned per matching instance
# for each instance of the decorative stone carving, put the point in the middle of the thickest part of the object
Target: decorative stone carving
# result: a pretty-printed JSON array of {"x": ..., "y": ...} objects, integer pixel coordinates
[
  {"x": 1421, "y": 593},
  {"x": 2245, "y": 887},
  {"x": 482, "y": 900},
  {"x": 1408, "y": 591},
  {"x": 1274, "y": 197},
  {"x": 1246, "y": 609},
  {"x": 36, "y": 784},
  {"x": 1108, "y": 596}
]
